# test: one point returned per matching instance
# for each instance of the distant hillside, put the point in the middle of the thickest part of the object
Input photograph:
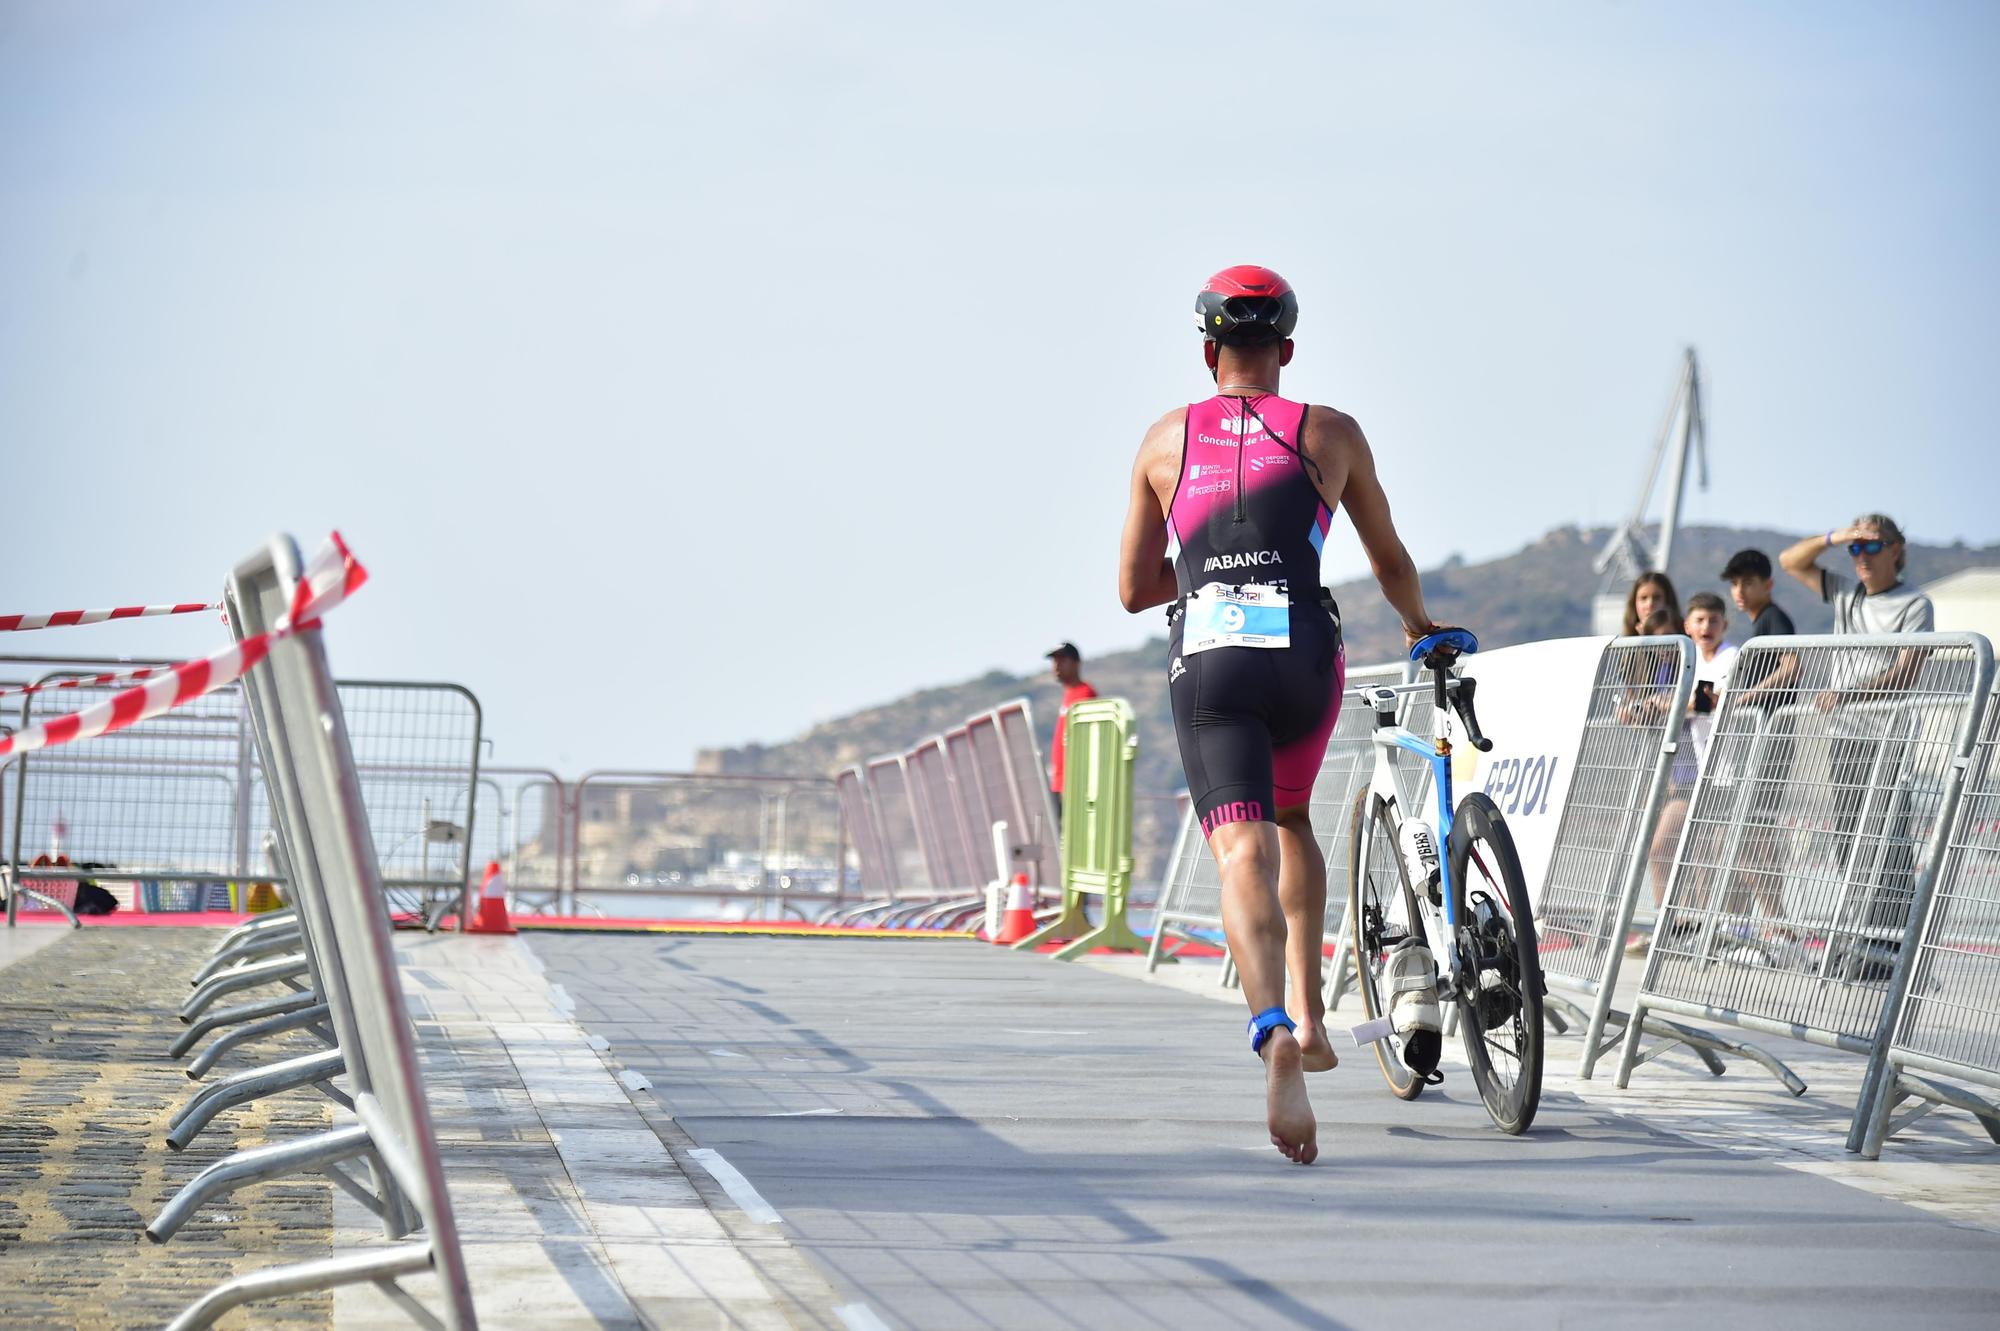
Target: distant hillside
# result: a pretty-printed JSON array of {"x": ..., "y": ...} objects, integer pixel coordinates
[{"x": 1542, "y": 591}]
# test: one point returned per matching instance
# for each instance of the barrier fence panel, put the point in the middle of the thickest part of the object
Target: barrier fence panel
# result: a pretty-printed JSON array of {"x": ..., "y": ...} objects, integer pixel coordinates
[
  {"x": 417, "y": 748},
  {"x": 1949, "y": 1025},
  {"x": 1039, "y": 831},
  {"x": 530, "y": 839},
  {"x": 1597, "y": 867},
  {"x": 169, "y": 814},
  {"x": 924, "y": 820},
  {"x": 1813, "y": 837},
  {"x": 983, "y": 807},
  {"x": 157, "y": 809},
  {"x": 51, "y": 892},
  {"x": 878, "y": 876},
  {"x": 645, "y": 841},
  {"x": 987, "y": 775},
  {"x": 896, "y": 815},
  {"x": 959, "y": 852},
  {"x": 297, "y": 723}
]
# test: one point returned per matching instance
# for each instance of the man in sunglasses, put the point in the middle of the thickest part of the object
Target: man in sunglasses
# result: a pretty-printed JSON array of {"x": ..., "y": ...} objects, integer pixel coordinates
[
  {"x": 1859, "y": 695},
  {"x": 1875, "y": 599}
]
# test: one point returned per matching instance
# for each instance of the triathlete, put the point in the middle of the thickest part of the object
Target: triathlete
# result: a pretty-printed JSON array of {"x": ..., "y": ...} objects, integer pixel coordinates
[{"x": 1246, "y": 483}]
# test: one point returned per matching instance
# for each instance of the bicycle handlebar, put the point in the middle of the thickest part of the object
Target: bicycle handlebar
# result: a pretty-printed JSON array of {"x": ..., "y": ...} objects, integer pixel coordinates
[{"x": 1447, "y": 690}]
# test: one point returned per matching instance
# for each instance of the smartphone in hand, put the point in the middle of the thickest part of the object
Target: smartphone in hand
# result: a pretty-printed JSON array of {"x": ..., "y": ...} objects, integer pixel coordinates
[{"x": 1704, "y": 696}]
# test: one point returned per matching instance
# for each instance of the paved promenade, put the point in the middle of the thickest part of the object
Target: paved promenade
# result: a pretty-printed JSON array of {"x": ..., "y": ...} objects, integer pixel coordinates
[
  {"x": 758, "y": 1134},
  {"x": 966, "y": 1137}
]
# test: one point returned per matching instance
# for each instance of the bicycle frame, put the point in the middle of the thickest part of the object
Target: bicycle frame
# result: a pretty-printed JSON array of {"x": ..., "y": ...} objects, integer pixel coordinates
[{"x": 1436, "y": 751}]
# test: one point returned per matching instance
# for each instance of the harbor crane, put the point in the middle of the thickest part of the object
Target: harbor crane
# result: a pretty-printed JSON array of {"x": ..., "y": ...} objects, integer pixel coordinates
[{"x": 1625, "y": 557}]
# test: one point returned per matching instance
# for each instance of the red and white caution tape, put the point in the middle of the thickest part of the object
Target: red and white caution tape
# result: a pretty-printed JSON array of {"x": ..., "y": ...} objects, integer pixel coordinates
[
  {"x": 64, "y": 618},
  {"x": 86, "y": 682},
  {"x": 331, "y": 568},
  {"x": 330, "y": 577}
]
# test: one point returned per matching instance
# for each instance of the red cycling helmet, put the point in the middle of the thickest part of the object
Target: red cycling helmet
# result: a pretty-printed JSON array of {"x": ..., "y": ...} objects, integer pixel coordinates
[{"x": 1247, "y": 305}]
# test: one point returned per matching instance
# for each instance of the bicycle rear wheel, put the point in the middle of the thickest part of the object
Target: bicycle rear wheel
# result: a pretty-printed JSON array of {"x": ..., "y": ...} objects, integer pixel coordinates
[
  {"x": 1380, "y": 912},
  {"x": 1500, "y": 986}
]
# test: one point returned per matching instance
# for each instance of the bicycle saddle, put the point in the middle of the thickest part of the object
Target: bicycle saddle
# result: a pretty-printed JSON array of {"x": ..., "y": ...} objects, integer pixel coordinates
[{"x": 1452, "y": 642}]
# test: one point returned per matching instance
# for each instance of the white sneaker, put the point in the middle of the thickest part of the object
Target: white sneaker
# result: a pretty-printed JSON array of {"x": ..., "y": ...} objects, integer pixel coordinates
[{"x": 1411, "y": 976}]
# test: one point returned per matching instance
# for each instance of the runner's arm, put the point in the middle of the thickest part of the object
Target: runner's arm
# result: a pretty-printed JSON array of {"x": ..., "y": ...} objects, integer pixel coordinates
[
  {"x": 1145, "y": 574},
  {"x": 1368, "y": 508}
]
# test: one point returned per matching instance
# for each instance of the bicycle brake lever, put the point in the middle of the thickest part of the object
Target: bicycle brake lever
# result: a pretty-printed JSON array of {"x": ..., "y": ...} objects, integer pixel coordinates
[{"x": 1461, "y": 701}]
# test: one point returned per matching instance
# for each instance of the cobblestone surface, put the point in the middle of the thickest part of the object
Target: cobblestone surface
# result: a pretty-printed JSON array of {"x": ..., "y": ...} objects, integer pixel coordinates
[{"x": 86, "y": 1089}]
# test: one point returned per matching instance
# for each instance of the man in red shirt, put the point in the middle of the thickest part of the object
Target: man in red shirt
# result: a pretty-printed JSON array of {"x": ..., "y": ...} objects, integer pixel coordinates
[{"x": 1069, "y": 674}]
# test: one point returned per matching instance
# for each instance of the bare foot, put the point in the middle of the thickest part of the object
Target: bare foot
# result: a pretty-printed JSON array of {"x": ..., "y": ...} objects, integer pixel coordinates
[
  {"x": 1315, "y": 1047},
  {"x": 1294, "y": 1130}
]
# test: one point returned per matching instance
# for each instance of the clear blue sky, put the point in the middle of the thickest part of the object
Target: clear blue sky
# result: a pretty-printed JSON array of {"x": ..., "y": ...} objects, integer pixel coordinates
[{"x": 688, "y": 372}]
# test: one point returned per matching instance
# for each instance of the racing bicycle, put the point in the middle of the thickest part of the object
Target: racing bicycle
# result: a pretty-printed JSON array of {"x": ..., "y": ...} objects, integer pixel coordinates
[{"x": 1469, "y": 906}]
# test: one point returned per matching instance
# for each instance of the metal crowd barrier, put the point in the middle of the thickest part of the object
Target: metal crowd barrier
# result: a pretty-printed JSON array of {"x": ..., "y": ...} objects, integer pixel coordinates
[
  {"x": 341, "y": 919},
  {"x": 924, "y": 820},
  {"x": 173, "y": 808},
  {"x": 1191, "y": 893},
  {"x": 1597, "y": 870},
  {"x": 418, "y": 749},
  {"x": 1815, "y": 833},
  {"x": 913, "y": 859},
  {"x": 858, "y": 812},
  {"x": 1949, "y": 1025},
  {"x": 530, "y": 836}
]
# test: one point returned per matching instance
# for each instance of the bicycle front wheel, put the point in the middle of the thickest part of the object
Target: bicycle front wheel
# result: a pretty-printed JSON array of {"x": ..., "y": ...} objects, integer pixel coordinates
[
  {"x": 1500, "y": 982},
  {"x": 1380, "y": 913}
]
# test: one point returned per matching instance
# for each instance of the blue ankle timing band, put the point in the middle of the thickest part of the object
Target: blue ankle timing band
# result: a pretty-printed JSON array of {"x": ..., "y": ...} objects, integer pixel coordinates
[{"x": 1264, "y": 1023}]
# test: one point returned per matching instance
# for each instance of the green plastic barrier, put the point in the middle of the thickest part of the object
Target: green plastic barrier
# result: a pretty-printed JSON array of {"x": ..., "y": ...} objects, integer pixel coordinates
[{"x": 1101, "y": 748}]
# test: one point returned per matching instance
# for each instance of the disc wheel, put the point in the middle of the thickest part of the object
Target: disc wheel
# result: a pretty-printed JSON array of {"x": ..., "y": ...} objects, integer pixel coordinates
[
  {"x": 1500, "y": 991},
  {"x": 1380, "y": 913}
]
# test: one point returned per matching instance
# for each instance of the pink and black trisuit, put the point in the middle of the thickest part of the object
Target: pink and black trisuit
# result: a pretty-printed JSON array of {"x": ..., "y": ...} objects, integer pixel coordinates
[{"x": 1256, "y": 669}]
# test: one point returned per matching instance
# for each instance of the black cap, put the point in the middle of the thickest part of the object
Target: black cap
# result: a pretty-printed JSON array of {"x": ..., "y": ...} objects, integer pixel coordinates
[
  {"x": 1747, "y": 564},
  {"x": 1065, "y": 649}
]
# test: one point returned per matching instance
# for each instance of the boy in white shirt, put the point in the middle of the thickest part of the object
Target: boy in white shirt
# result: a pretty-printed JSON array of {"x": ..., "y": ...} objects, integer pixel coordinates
[{"x": 1706, "y": 622}]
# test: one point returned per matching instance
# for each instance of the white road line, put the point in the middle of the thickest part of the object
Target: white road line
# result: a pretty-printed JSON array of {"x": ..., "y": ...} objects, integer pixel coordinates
[
  {"x": 634, "y": 1081},
  {"x": 802, "y": 1113},
  {"x": 859, "y": 1317},
  {"x": 727, "y": 1053},
  {"x": 738, "y": 1187},
  {"x": 1015, "y": 1030}
]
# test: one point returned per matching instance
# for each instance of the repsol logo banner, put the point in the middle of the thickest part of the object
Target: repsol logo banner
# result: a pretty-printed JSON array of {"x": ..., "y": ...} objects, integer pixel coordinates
[
  {"x": 1520, "y": 786},
  {"x": 1533, "y": 702}
]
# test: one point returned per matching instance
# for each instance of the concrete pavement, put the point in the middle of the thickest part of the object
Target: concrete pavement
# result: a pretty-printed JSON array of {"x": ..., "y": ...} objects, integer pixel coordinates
[{"x": 960, "y": 1136}]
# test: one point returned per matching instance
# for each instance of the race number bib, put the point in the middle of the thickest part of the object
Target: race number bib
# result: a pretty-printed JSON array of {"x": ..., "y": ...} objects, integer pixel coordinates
[{"x": 1223, "y": 615}]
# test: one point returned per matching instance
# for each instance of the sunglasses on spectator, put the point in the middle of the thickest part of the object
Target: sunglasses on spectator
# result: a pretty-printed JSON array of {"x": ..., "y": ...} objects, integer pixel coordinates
[{"x": 1865, "y": 547}]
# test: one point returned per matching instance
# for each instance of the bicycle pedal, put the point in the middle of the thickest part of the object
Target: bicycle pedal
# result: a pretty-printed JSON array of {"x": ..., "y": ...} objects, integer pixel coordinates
[{"x": 1368, "y": 1032}]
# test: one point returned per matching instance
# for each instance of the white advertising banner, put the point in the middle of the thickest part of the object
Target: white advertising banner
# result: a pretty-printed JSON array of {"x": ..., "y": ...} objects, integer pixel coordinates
[{"x": 1532, "y": 702}]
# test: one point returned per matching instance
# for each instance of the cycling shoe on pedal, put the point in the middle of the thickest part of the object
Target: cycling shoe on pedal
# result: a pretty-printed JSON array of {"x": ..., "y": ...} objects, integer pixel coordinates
[{"x": 1413, "y": 1004}]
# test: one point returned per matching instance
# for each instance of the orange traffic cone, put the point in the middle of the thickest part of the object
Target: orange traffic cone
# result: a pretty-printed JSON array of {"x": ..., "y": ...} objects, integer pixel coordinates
[
  {"x": 1019, "y": 920},
  {"x": 492, "y": 917}
]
